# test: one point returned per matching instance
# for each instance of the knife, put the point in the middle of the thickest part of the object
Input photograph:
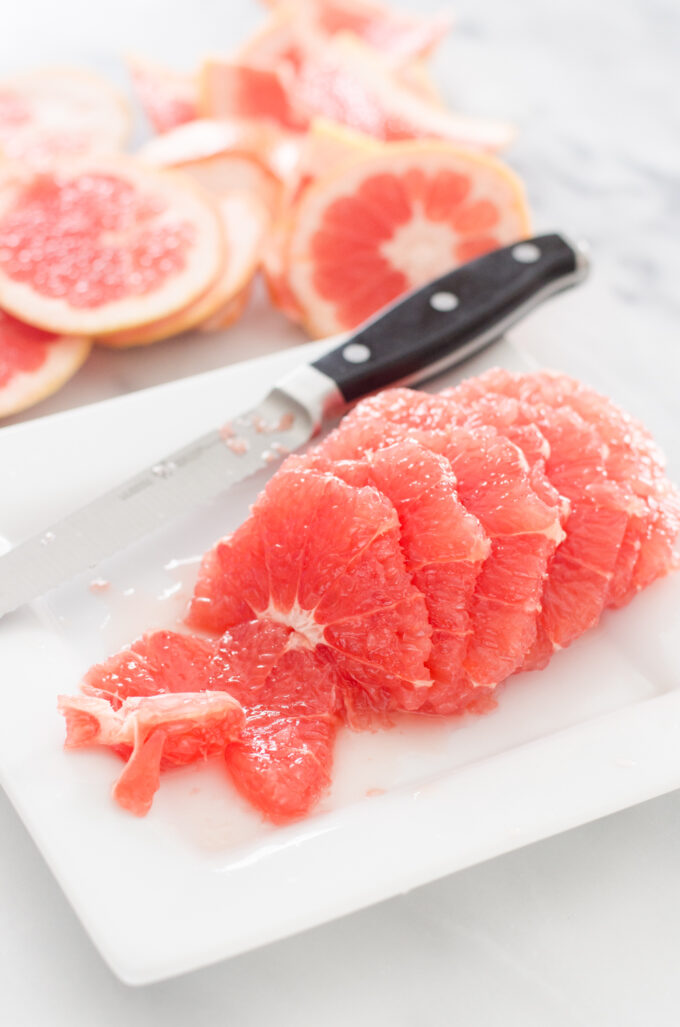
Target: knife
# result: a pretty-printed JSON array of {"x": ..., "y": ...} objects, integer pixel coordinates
[{"x": 429, "y": 330}]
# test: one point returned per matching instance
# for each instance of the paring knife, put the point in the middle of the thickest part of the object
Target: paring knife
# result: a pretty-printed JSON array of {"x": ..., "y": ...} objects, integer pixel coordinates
[{"x": 428, "y": 331}]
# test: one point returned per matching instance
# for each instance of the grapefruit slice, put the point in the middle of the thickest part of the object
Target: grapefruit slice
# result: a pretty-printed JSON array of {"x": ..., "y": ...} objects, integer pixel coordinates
[
  {"x": 444, "y": 548},
  {"x": 34, "y": 363},
  {"x": 60, "y": 113},
  {"x": 152, "y": 733},
  {"x": 104, "y": 245},
  {"x": 169, "y": 98},
  {"x": 391, "y": 221},
  {"x": 245, "y": 222},
  {"x": 281, "y": 761},
  {"x": 494, "y": 484},
  {"x": 342, "y": 586},
  {"x": 221, "y": 156}
]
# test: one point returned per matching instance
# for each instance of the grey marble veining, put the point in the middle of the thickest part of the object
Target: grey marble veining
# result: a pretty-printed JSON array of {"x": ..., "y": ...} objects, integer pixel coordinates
[{"x": 582, "y": 929}]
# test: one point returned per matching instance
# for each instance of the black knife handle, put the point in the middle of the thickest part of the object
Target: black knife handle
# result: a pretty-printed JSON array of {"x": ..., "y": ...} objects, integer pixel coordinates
[{"x": 444, "y": 322}]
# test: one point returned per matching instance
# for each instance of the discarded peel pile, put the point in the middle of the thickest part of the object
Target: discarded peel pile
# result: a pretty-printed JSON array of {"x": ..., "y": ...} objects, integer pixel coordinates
[
  {"x": 318, "y": 150},
  {"x": 423, "y": 552}
]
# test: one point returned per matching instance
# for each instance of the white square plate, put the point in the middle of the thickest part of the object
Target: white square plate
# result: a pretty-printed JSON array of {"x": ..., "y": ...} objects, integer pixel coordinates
[{"x": 202, "y": 878}]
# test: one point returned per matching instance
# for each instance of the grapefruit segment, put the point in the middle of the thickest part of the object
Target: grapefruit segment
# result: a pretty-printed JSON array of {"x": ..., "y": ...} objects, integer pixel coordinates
[
  {"x": 103, "y": 245},
  {"x": 34, "y": 363},
  {"x": 159, "y": 662},
  {"x": 152, "y": 733},
  {"x": 245, "y": 221},
  {"x": 391, "y": 221},
  {"x": 169, "y": 98},
  {"x": 233, "y": 90},
  {"x": 60, "y": 113},
  {"x": 281, "y": 761}
]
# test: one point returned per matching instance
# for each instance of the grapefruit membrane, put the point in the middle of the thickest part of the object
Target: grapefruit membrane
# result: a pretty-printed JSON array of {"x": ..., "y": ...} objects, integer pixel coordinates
[
  {"x": 152, "y": 733},
  {"x": 34, "y": 363},
  {"x": 60, "y": 113},
  {"x": 390, "y": 221},
  {"x": 104, "y": 244}
]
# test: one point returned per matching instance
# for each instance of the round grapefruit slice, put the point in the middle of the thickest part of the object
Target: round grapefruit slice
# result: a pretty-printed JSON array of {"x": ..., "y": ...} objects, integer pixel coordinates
[
  {"x": 324, "y": 558},
  {"x": 391, "y": 221},
  {"x": 152, "y": 733},
  {"x": 169, "y": 98},
  {"x": 60, "y": 113},
  {"x": 34, "y": 363},
  {"x": 99, "y": 246},
  {"x": 245, "y": 222}
]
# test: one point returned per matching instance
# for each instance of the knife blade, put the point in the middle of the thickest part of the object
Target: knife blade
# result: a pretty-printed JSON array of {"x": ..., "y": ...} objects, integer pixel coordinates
[{"x": 419, "y": 336}]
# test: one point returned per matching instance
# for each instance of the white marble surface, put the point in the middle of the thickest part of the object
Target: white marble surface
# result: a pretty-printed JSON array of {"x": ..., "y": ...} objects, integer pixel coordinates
[{"x": 583, "y": 929}]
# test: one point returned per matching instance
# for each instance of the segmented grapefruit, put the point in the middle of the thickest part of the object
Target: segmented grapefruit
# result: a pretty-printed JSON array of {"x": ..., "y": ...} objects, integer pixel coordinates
[
  {"x": 444, "y": 547},
  {"x": 245, "y": 222},
  {"x": 34, "y": 363},
  {"x": 232, "y": 90},
  {"x": 60, "y": 113},
  {"x": 169, "y": 98},
  {"x": 343, "y": 586},
  {"x": 391, "y": 221},
  {"x": 600, "y": 508},
  {"x": 494, "y": 484},
  {"x": 152, "y": 733},
  {"x": 106, "y": 244}
]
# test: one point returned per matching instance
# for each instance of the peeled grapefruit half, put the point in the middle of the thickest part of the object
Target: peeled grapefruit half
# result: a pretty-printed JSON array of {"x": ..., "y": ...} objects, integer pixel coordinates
[
  {"x": 60, "y": 113},
  {"x": 391, "y": 221},
  {"x": 245, "y": 221},
  {"x": 34, "y": 363},
  {"x": 169, "y": 98},
  {"x": 105, "y": 244}
]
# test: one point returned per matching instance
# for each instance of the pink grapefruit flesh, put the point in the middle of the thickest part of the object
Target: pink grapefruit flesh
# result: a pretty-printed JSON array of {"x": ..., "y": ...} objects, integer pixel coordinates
[{"x": 104, "y": 245}]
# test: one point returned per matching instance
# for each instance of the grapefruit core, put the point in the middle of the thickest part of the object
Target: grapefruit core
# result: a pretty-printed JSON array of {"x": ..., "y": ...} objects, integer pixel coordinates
[
  {"x": 105, "y": 244},
  {"x": 34, "y": 363},
  {"x": 60, "y": 113}
]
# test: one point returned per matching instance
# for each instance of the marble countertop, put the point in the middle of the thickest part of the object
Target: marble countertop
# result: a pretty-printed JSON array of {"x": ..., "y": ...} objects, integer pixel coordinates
[{"x": 582, "y": 929}]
